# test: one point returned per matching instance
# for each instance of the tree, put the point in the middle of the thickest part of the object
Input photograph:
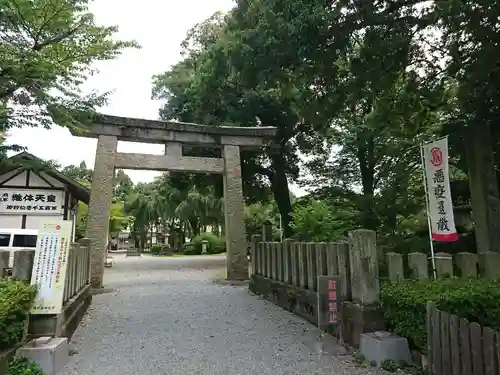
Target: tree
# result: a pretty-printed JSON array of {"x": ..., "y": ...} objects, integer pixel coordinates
[
  {"x": 47, "y": 48},
  {"x": 209, "y": 86}
]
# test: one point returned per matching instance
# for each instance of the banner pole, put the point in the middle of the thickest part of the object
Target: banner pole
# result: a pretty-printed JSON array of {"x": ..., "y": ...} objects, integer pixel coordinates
[{"x": 427, "y": 209}]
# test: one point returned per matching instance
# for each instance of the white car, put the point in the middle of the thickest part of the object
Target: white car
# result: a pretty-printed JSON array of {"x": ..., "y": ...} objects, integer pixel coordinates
[{"x": 17, "y": 239}]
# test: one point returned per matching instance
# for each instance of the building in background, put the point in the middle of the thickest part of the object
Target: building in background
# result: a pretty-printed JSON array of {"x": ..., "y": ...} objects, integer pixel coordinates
[{"x": 31, "y": 192}]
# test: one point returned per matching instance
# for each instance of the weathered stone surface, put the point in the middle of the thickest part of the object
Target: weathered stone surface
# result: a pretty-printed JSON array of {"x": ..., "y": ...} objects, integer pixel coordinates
[
  {"x": 172, "y": 163},
  {"x": 418, "y": 265},
  {"x": 173, "y": 148},
  {"x": 152, "y": 131},
  {"x": 109, "y": 129},
  {"x": 364, "y": 267},
  {"x": 51, "y": 354},
  {"x": 234, "y": 206},
  {"x": 489, "y": 264},
  {"x": 444, "y": 264},
  {"x": 466, "y": 264},
  {"x": 358, "y": 319},
  {"x": 4, "y": 262},
  {"x": 379, "y": 346},
  {"x": 23, "y": 264},
  {"x": 395, "y": 266},
  {"x": 100, "y": 201}
]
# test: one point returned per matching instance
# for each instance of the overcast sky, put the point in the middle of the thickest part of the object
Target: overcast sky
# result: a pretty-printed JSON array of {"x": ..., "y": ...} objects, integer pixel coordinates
[{"x": 159, "y": 26}]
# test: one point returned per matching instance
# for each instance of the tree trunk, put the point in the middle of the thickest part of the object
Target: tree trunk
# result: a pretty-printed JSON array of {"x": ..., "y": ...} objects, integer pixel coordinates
[
  {"x": 281, "y": 192},
  {"x": 484, "y": 188},
  {"x": 366, "y": 159}
]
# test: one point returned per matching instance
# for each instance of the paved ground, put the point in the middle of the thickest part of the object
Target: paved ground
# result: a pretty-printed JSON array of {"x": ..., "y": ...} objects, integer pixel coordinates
[{"x": 165, "y": 316}]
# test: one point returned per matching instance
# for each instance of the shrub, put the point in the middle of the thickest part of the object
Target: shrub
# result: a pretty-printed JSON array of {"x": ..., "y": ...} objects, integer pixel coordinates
[
  {"x": 160, "y": 249},
  {"x": 405, "y": 304},
  {"x": 215, "y": 244},
  {"x": 23, "y": 366},
  {"x": 191, "y": 249},
  {"x": 16, "y": 299}
]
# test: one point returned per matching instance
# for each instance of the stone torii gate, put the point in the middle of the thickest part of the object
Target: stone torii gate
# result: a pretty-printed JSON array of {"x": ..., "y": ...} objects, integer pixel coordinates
[{"x": 110, "y": 129}]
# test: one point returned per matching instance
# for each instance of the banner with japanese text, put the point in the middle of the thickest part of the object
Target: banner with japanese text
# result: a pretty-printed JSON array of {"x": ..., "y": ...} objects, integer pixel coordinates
[
  {"x": 50, "y": 264},
  {"x": 435, "y": 156}
]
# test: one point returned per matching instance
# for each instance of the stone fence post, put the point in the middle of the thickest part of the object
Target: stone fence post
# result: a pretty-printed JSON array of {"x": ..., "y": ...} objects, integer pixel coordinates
[
  {"x": 23, "y": 264},
  {"x": 362, "y": 314},
  {"x": 4, "y": 262}
]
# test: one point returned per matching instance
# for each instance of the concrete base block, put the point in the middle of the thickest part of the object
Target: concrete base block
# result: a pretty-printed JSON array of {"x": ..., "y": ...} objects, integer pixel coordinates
[
  {"x": 380, "y": 345},
  {"x": 51, "y": 354}
]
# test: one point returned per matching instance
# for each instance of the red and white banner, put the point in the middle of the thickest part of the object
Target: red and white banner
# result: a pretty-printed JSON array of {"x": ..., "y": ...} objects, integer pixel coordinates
[{"x": 435, "y": 156}]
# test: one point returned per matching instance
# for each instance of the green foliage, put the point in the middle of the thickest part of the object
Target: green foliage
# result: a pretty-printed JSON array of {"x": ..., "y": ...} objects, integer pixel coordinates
[
  {"x": 317, "y": 221},
  {"x": 23, "y": 366},
  {"x": 160, "y": 249},
  {"x": 191, "y": 249},
  {"x": 405, "y": 304},
  {"x": 47, "y": 48},
  {"x": 215, "y": 244},
  {"x": 16, "y": 299},
  {"x": 389, "y": 365}
]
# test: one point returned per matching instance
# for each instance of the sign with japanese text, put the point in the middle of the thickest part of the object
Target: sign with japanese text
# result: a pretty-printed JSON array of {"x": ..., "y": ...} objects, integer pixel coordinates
[
  {"x": 329, "y": 301},
  {"x": 435, "y": 155},
  {"x": 50, "y": 264},
  {"x": 31, "y": 201}
]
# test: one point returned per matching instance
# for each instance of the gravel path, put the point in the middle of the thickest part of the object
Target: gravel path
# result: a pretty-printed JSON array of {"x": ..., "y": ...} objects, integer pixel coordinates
[{"x": 167, "y": 317}]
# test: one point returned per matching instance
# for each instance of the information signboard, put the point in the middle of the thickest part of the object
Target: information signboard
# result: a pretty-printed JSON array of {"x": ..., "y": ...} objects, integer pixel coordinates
[
  {"x": 51, "y": 262},
  {"x": 329, "y": 301}
]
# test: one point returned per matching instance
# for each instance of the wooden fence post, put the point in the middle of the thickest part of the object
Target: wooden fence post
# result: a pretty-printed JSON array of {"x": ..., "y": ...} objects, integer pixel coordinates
[
  {"x": 279, "y": 261},
  {"x": 332, "y": 264},
  {"x": 86, "y": 243},
  {"x": 254, "y": 254},
  {"x": 343, "y": 264},
  {"x": 364, "y": 267},
  {"x": 287, "y": 261},
  {"x": 312, "y": 278},
  {"x": 321, "y": 262},
  {"x": 295, "y": 263},
  {"x": 269, "y": 259},
  {"x": 23, "y": 264},
  {"x": 302, "y": 261}
]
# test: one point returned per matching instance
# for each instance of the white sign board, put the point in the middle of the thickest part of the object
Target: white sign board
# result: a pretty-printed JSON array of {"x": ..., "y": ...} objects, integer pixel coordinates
[
  {"x": 439, "y": 192},
  {"x": 51, "y": 262},
  {"x": 31, "y": 201}
]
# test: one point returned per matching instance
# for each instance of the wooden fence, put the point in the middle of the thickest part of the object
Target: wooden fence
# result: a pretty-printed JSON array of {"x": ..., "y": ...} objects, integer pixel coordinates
[
  {"x": 299, "y": 264},
  {"x": 77, "y": 273},
  {"x": 286, "y": 273},
  {"x": 486, "y": 265},
  {"x": 458, "y": 347}
]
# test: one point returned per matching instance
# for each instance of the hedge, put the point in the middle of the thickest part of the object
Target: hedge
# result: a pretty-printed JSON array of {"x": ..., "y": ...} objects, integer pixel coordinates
[
  {"x": 24, "y": 366},
  {"x": 16, "y": 299},
  {"x": 215, "y": 244},
  {"x": 405, "y": 304}
]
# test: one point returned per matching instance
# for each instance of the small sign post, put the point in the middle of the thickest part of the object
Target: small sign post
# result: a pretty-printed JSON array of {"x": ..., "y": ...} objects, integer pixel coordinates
[{"x": 329, "y": 303}]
